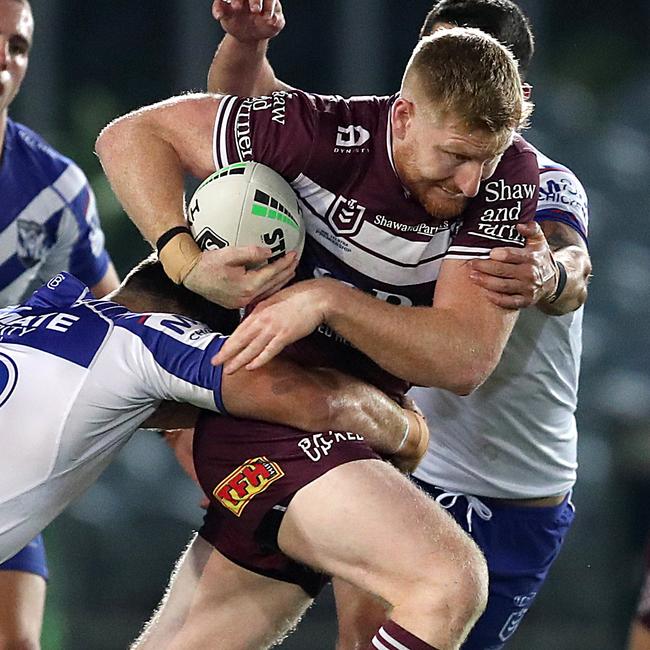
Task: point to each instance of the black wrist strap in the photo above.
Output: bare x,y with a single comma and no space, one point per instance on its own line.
167,236
561,282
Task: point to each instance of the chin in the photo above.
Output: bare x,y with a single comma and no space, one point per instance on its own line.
443,208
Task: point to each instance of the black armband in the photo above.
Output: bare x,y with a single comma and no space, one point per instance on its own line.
561,282
167,236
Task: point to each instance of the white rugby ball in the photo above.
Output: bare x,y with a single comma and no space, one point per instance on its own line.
246,204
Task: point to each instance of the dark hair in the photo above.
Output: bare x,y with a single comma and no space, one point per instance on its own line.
502,19
149,278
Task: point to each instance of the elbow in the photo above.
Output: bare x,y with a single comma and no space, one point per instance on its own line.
106,140
465,376
466,385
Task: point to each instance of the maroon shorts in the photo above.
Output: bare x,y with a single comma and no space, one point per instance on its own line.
251,471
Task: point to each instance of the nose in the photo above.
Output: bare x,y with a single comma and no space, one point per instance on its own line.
468,178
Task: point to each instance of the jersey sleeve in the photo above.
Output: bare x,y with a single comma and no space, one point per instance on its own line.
278,130
79,247
562,198
507,198
174,363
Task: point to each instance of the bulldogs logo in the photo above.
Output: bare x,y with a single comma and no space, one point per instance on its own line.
31,245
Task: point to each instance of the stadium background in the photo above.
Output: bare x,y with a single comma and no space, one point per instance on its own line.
110,555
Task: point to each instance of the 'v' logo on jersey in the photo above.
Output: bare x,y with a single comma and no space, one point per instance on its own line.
345,216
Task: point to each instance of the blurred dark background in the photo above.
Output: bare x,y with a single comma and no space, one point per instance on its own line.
111,553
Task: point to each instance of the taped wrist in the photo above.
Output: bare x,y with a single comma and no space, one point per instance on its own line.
415,439
178,253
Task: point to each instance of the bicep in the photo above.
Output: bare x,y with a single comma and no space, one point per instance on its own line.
182,124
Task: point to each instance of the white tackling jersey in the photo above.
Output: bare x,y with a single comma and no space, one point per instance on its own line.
77,378
515,437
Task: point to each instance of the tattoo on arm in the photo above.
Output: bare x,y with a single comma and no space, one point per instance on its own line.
559,235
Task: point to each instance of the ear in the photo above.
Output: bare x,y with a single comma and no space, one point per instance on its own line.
401,116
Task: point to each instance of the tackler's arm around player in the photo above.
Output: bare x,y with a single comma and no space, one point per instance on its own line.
150,187
322,399
552,271
240,66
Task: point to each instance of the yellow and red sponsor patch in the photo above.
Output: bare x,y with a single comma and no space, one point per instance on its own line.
249,479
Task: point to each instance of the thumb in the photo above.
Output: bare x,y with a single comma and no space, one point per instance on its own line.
247,255
530,230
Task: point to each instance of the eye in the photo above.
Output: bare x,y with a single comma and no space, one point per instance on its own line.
457,157
18,46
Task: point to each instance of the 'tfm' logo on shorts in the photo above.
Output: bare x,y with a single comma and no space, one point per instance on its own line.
239,487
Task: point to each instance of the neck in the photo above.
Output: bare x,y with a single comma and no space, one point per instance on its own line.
142,302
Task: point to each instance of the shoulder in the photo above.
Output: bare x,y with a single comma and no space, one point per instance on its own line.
58,170
34,144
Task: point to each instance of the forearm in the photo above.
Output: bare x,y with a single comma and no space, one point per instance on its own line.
242,68
361,408
314,400
424,345
577,264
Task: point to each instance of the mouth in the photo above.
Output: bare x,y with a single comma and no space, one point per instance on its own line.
450,193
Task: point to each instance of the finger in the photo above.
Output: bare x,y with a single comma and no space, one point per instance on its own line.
273,348
498,269
259,278
238,340
266,8
234,345
220,8
515,301
256,6
509,254
530,230
498,285
248,354
274,8
246,255
269,290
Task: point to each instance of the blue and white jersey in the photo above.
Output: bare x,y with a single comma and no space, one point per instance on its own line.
515,437
77,378
48,217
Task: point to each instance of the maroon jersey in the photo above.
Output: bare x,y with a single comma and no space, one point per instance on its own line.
363,228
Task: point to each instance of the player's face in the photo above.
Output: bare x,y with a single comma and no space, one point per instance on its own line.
439,159
16,29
